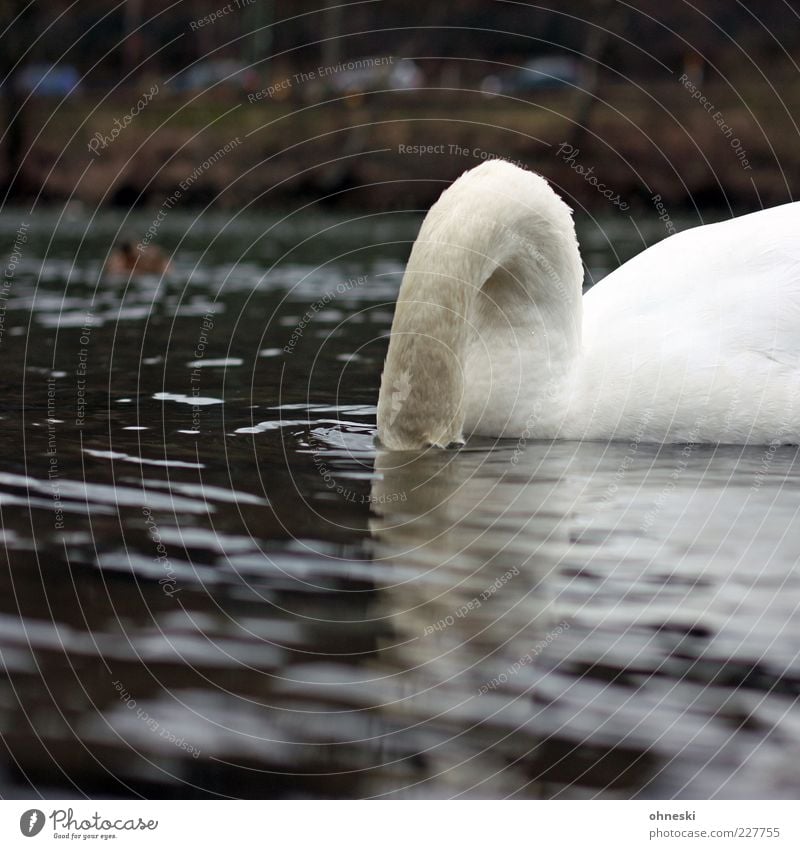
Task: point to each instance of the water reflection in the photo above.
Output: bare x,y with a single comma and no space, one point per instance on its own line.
471,608
226,592
580,619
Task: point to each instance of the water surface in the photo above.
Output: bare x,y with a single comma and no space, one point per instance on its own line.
214,586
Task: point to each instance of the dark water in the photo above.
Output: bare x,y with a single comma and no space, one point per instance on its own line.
212,585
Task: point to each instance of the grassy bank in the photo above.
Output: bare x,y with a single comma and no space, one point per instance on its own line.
396,150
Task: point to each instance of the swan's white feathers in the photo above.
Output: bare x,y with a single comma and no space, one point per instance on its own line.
699,336
695,339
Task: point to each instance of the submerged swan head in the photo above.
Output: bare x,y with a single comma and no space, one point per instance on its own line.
488,318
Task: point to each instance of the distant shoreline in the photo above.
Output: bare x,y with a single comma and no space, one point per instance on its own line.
398,150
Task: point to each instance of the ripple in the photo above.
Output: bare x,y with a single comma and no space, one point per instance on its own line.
263,427
193,400
222,362
207,539
204,491
350,409
324,433
100,496
142,461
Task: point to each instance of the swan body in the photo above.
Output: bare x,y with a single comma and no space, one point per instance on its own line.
696,339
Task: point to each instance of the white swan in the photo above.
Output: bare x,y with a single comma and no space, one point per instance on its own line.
697,339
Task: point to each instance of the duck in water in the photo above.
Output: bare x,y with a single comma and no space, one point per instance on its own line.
144,259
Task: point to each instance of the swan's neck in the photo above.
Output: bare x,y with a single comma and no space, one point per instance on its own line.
488,320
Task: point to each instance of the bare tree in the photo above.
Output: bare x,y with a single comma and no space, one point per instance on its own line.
16,20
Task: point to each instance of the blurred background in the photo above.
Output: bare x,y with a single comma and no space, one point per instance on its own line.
213,584
506,78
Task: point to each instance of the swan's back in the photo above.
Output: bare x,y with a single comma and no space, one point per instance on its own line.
698,337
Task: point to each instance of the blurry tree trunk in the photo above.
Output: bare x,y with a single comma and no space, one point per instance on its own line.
132,43
331,47
612,17
15,44
15,137
257,18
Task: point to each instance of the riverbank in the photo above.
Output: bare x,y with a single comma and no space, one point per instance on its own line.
661,148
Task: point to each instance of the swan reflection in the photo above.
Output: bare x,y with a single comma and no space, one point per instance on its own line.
570,619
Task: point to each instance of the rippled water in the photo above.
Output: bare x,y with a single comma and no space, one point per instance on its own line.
213,586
